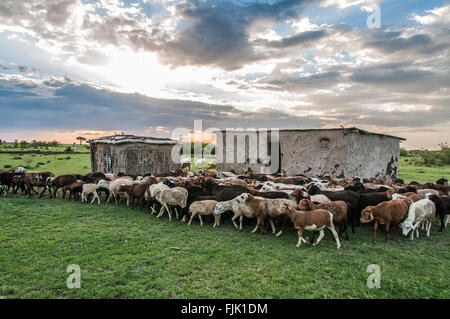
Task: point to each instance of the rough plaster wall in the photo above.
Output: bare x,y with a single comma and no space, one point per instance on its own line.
135,158
243,166
373,156
313,153
336,153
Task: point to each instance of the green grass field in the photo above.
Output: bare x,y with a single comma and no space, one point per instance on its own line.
58,164
421,174
126,253
60,148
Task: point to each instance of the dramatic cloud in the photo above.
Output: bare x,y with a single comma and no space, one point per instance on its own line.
150,66
45,105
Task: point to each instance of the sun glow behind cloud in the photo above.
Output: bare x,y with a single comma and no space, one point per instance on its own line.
260,61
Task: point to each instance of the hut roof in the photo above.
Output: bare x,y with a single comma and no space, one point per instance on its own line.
121,139
349,130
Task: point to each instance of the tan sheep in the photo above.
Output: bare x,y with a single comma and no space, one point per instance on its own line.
204,208
90,189
176,196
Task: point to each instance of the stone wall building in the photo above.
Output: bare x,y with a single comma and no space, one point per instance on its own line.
339,152
131,154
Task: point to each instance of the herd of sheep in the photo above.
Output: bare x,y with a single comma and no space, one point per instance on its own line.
313,204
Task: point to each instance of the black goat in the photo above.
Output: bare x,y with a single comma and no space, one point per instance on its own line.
350,197
442,207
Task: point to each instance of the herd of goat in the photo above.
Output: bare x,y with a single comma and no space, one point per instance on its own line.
306,203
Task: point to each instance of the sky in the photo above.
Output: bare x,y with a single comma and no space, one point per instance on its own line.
93,68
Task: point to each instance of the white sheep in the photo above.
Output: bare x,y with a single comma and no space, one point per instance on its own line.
426,191
240,210
176,196
422,211
226,174
90,189
114,187
203,208
110,176
151,192
397,196
270,210
270,186
319,199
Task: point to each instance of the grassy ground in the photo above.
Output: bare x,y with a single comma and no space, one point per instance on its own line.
126,253
60,148
58,164
421,174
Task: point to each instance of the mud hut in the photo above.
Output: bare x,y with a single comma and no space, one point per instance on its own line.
132,154
337,152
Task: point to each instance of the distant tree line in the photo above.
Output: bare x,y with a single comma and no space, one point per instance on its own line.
428,158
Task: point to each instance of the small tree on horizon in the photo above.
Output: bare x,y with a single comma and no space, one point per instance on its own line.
81,139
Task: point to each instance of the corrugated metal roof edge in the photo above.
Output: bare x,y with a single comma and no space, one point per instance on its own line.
337,129
120,139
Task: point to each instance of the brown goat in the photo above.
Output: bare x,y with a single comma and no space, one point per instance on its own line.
137,191
390,213
315,220
337,208
61,181
75,189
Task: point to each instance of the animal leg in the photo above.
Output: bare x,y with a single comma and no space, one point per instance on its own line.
168,211
216,220
272,225
300,238
201,221
336,237
190,220
240,222
443,224
261,225
256,226
387,230
161,211
321,234
234,223
285,221
374,232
